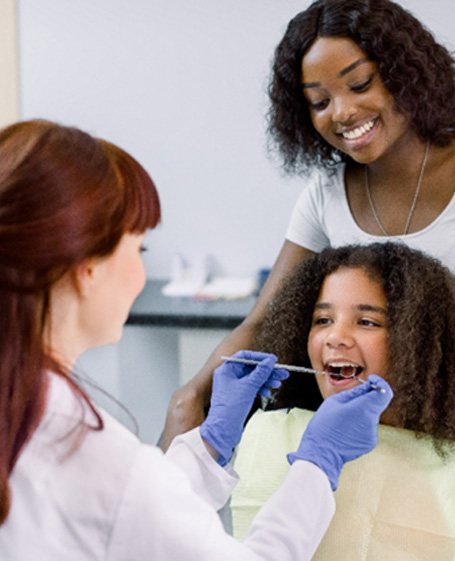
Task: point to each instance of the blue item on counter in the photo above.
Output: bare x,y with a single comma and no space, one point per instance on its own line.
263,275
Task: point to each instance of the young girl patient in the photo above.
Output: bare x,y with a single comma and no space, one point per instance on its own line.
350,312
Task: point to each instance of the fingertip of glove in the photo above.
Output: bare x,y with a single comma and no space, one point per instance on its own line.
274,384
377,380
279,374
255,355
381,386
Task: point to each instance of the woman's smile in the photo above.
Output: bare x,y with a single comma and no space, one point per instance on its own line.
358,136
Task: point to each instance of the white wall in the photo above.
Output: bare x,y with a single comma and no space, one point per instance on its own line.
180,85
436,15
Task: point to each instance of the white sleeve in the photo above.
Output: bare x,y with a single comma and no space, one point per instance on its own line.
305,225
160,518
296,516
207,478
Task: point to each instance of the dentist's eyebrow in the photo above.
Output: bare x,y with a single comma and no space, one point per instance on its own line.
340,74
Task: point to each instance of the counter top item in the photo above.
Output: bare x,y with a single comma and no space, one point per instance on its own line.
154,309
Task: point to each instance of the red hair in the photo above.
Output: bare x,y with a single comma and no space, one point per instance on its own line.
64,196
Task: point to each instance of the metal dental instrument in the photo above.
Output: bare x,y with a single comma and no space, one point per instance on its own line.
293,368
374,386
289,367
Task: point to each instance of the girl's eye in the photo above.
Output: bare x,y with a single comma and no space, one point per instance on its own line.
143,249
362,87
369,323
321,321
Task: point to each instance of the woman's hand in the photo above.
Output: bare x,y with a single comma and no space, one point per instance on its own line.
186,410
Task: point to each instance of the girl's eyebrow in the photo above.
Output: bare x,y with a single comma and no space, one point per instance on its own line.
360,307
340,74
371,308
322,305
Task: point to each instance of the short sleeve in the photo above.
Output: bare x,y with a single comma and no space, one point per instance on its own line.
305,225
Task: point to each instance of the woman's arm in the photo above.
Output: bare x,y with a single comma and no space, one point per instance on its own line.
186,408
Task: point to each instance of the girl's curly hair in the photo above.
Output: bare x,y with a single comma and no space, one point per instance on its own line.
415,69
420,295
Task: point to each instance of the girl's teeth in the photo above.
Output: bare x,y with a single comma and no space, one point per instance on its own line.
343,370
359,131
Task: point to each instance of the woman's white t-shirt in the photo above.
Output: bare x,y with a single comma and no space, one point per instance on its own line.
322,218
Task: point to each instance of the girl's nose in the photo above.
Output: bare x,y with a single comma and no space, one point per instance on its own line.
339,336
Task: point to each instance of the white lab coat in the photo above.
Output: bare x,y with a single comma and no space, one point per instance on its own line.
115,499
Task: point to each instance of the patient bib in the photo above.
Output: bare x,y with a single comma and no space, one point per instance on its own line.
396,503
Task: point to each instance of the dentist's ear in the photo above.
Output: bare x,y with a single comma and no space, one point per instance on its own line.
86,275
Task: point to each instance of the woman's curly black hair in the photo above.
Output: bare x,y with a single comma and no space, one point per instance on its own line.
415,69
420,295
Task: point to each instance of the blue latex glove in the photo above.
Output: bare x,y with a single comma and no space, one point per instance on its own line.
343,428
235,387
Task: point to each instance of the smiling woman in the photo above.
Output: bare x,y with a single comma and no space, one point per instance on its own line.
362,45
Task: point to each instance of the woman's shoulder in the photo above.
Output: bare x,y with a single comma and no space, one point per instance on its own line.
326,178
106,476
68,412
323,187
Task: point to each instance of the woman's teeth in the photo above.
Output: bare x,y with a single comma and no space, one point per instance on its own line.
359,131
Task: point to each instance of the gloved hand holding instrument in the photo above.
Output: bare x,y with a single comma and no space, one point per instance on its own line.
235,387
344,427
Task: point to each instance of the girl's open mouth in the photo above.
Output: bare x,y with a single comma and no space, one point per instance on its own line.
343,370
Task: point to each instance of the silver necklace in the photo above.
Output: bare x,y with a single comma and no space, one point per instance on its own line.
414,200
